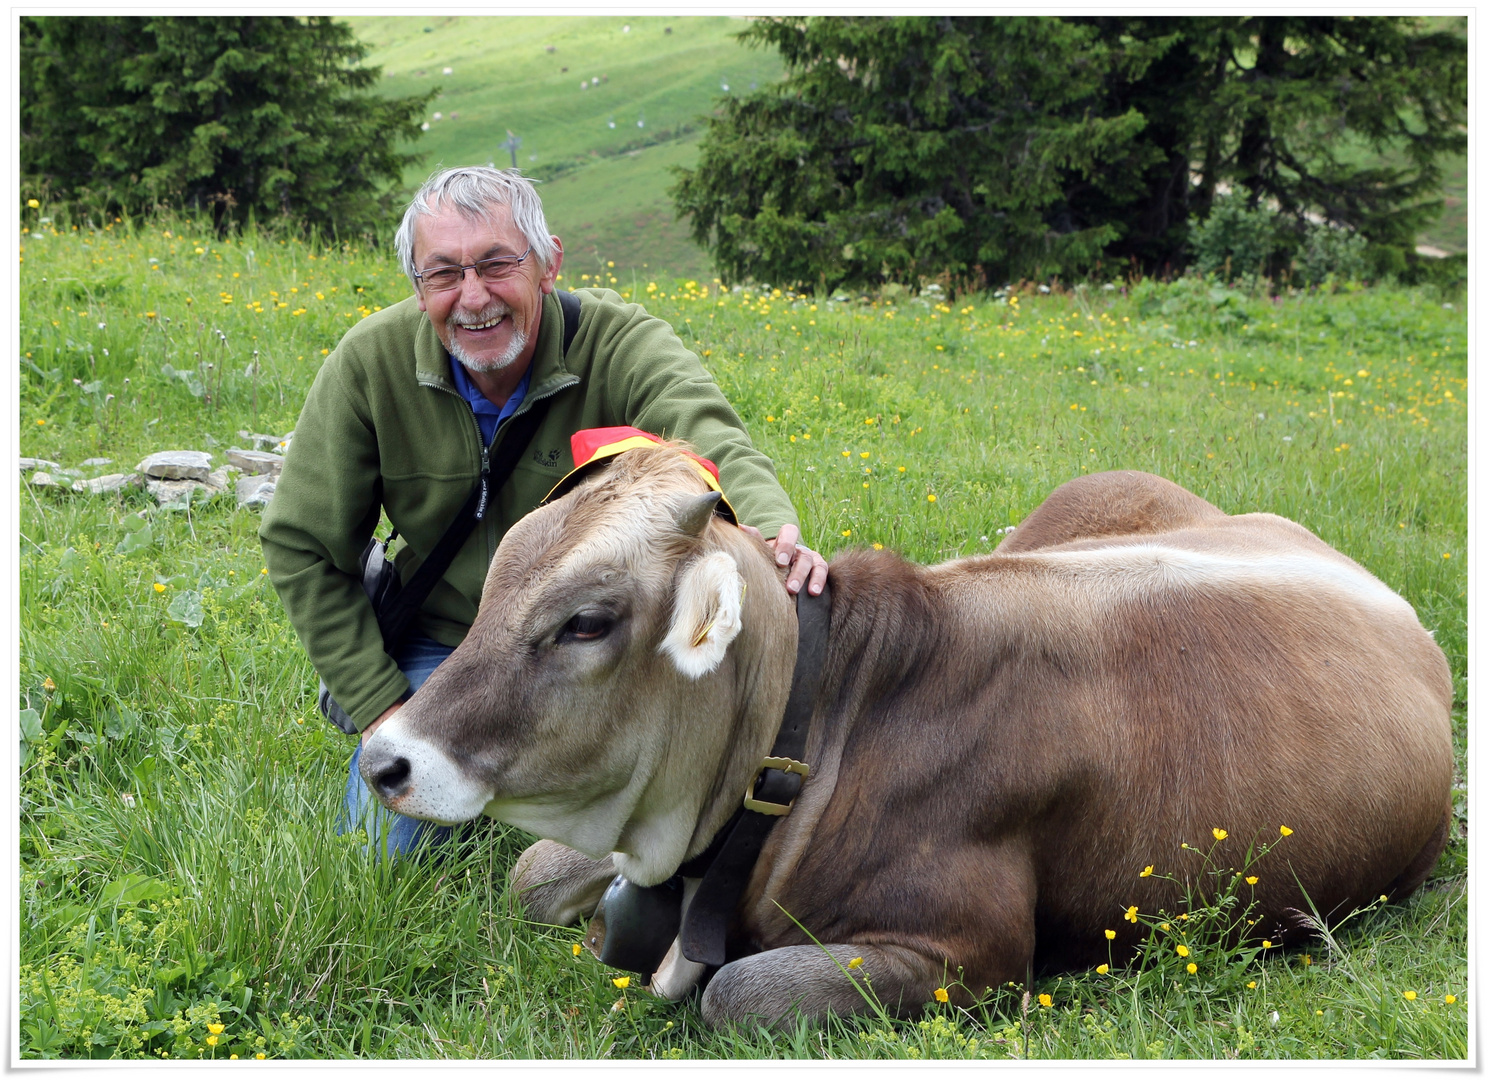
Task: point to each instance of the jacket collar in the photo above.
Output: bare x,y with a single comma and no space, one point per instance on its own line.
549,371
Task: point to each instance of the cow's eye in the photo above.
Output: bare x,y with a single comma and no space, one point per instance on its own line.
586,627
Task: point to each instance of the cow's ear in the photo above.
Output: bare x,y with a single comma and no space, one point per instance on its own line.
705,614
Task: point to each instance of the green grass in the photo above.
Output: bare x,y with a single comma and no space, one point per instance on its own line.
605,187
178,863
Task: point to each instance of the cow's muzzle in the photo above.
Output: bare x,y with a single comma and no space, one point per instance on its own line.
412,777
386,774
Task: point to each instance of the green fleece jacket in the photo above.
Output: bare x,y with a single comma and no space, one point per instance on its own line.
383,428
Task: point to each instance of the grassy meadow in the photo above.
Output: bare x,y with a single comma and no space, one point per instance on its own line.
604,151
182,890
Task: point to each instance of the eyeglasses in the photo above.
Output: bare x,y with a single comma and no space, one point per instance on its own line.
491,271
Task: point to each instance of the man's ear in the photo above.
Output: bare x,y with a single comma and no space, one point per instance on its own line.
550,277
706,614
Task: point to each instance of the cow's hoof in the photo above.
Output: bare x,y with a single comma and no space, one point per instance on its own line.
558,885
810,981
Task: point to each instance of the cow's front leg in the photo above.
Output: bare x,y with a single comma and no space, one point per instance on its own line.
558,885
813,980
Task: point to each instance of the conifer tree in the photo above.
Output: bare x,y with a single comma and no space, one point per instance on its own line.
248,114
986,149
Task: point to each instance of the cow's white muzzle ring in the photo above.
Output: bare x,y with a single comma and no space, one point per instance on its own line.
785,765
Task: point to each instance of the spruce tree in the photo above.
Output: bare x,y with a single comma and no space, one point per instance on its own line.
985,149
270,116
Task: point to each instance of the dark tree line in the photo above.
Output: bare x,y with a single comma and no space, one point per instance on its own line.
993,148
268,115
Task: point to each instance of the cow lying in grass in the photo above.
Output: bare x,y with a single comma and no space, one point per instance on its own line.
1000,745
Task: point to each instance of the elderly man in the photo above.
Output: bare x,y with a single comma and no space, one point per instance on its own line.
408,411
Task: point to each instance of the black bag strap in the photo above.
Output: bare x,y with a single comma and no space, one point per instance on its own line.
570,305
502,458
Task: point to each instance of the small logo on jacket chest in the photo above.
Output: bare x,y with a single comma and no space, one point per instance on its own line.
548,459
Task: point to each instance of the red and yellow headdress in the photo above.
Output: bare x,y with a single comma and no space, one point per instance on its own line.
594,447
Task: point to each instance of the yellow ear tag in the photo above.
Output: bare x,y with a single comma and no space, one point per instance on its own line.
702,634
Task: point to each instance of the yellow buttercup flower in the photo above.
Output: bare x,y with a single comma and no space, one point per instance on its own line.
1250,985
942,995
1285,831
211,1040
1110,935
1193,969
1252,880
1146,872
577,948
1101,969
33,204
1131,914
855,963
1410,995
1219,834
1265,944
1045,1000
1450,999
159,587
216,1029
622,982
1182,950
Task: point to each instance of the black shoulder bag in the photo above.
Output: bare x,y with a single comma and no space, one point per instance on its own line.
396,604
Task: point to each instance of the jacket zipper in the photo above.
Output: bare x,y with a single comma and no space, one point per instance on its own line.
483,504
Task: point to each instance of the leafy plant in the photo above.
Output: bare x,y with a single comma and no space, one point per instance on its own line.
1237,239
1331,255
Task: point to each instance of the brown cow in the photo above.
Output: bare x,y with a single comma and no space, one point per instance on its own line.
1000,745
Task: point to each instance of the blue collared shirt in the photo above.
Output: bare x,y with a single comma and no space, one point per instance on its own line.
487,415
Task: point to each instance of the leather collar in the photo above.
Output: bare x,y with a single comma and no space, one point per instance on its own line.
633,939
705,928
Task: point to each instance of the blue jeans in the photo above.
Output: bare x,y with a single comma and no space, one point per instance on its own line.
417,658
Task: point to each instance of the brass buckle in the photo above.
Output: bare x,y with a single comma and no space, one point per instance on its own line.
784,764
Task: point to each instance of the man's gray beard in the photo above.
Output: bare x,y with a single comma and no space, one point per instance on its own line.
496,363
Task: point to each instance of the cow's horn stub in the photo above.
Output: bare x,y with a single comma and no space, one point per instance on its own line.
693,517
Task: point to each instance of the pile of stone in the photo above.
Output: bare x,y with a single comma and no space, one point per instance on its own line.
174,476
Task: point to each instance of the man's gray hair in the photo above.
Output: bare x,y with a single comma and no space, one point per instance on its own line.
474,190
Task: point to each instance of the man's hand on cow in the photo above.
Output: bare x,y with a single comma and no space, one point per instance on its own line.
375,724
806,566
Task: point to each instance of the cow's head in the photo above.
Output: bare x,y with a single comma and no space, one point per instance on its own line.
626,672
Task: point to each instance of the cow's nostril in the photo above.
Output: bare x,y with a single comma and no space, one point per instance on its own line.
392,778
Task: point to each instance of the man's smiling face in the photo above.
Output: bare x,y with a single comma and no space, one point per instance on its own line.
487,327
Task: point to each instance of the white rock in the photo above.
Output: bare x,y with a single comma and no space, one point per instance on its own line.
42,479
255,462
275,443
218,479
97,462
255,491
30,463
177,465
104,485
175,491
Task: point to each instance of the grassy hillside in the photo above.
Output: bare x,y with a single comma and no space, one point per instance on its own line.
604,150
178,864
